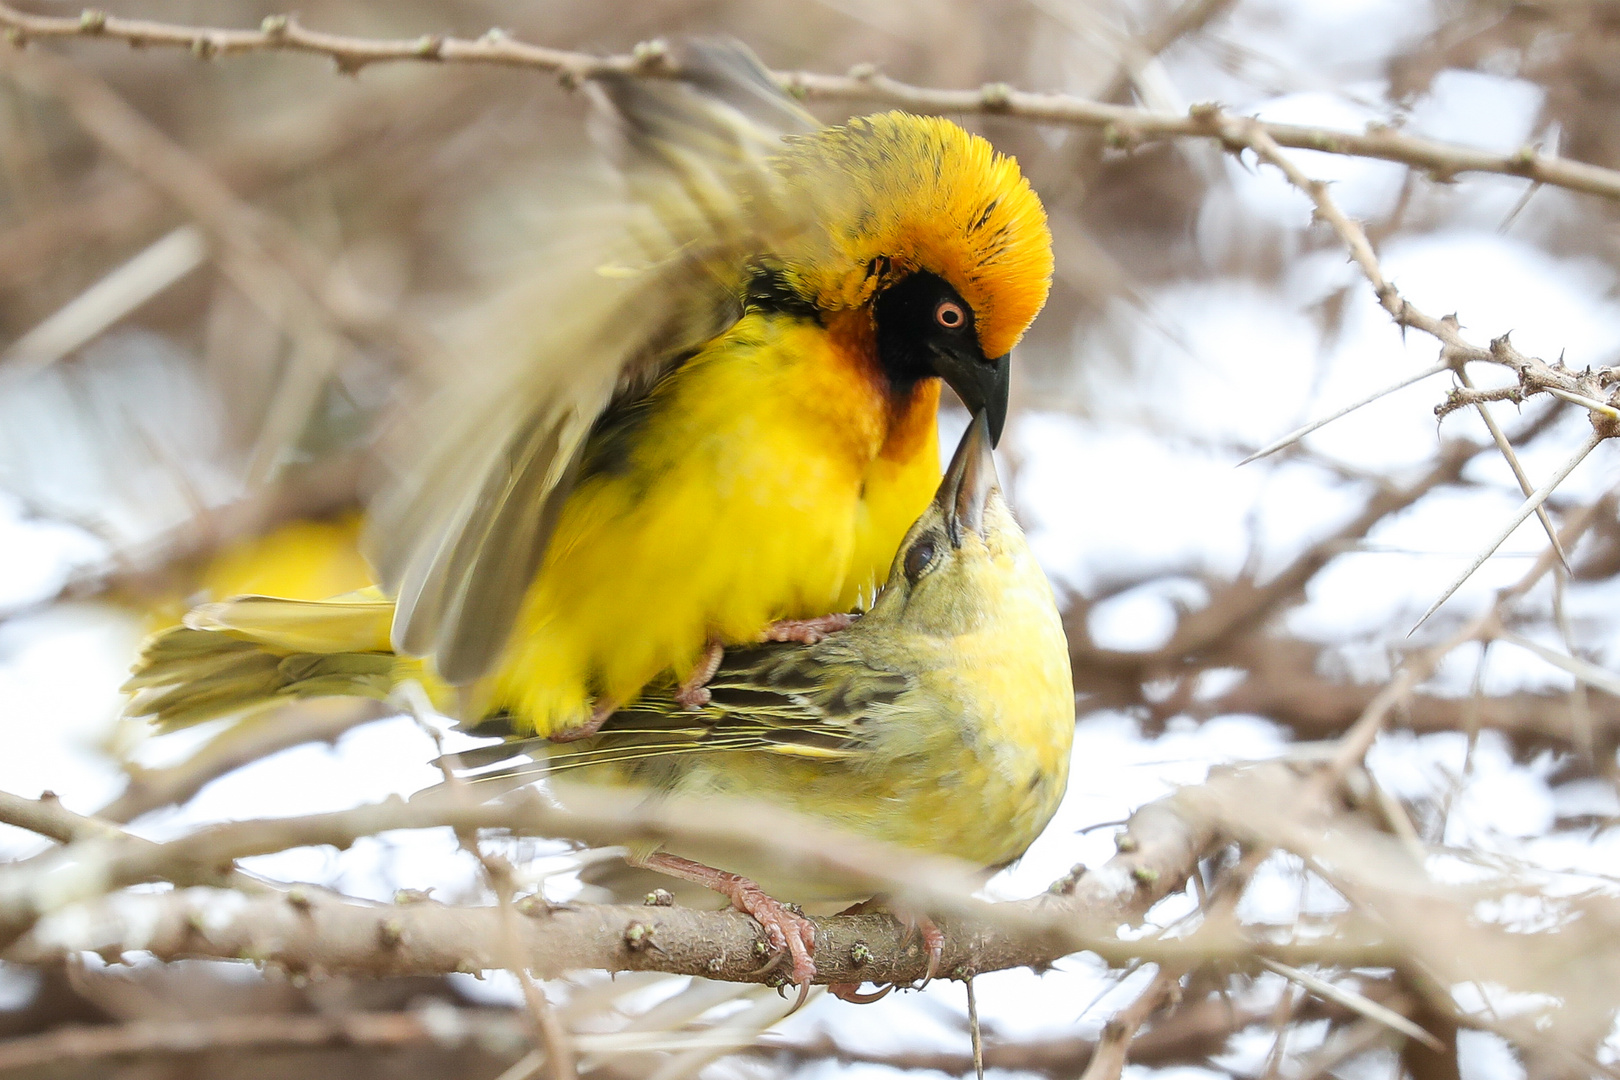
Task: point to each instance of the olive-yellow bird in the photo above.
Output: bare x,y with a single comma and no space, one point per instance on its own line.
714,413
940,720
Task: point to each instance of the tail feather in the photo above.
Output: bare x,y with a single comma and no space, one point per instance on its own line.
253,651
354,623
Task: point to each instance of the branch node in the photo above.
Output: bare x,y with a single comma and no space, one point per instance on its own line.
639,937
92,21
651,55
860,954
865,71
274,27
1064,885
996,96
429,47
659,898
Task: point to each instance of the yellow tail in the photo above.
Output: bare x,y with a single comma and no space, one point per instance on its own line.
253,651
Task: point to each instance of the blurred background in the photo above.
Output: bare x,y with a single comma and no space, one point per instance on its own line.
217,277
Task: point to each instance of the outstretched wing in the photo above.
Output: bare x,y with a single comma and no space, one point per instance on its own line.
642,279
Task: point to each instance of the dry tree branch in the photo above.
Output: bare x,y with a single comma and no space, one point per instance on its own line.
241,744
1122,126
306,929
437,1025
1109,1058
1590,387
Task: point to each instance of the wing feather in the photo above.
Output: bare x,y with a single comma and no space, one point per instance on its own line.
642,280
818,703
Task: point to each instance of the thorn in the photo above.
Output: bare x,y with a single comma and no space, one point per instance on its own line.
1525,510
1296,435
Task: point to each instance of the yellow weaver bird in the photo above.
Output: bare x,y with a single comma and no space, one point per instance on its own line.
940,720
712,417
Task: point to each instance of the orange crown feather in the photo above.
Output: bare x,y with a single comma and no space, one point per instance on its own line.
895,193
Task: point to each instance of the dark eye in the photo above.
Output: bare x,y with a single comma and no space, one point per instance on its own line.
950,315
918,558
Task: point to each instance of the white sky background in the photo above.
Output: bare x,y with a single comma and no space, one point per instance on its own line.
1145,485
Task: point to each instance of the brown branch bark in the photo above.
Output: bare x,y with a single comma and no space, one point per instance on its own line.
309,930
444,1026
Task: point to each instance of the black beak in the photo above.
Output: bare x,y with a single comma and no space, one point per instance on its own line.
970,481
982,385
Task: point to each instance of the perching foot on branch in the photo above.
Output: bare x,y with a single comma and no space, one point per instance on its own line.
933,940
789,935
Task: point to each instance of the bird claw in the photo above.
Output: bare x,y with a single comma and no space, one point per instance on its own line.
604,708
790,936
807,631
933,940
693,693
851,992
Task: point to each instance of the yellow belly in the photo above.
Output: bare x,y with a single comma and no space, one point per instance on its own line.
762,481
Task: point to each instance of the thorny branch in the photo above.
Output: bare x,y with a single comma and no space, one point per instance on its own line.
1122,126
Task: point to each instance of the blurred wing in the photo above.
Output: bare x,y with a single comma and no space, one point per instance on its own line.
639,283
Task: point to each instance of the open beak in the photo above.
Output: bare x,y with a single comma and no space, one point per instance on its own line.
965,491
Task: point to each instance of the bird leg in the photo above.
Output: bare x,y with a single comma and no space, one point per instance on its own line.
693,693
933,940
807,631
787,933
604,708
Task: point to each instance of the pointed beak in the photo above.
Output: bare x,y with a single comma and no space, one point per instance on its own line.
982,385
995,401
965,491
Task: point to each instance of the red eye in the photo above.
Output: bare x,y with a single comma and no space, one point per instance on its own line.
950,315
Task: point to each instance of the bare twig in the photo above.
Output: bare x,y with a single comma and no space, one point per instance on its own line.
1299,433
241,744
1113,1049
1528,507
1122,125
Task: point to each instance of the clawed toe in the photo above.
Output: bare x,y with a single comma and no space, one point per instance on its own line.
807,631
851,992
933,940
